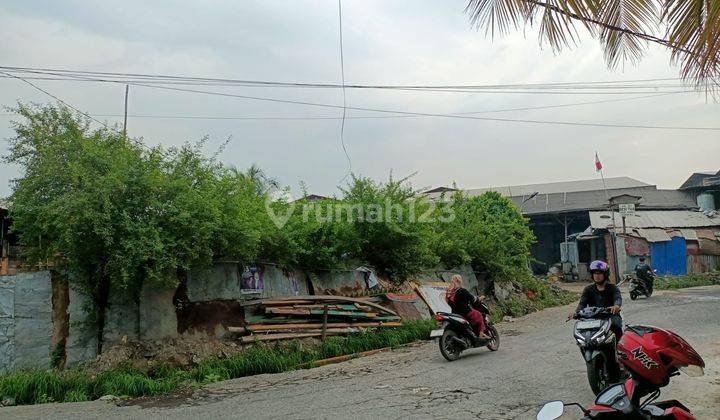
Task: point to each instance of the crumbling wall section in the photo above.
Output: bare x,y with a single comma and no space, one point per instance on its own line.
7,322
157,315
33,320
82,335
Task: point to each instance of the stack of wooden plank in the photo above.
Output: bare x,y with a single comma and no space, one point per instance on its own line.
312,316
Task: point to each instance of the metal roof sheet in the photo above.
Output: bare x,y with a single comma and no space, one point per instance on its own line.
651,199
654,219
689,234
562,187
654,235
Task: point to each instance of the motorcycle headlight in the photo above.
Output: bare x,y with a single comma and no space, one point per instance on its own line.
601,333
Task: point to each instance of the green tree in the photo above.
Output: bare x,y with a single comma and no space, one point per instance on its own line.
115,214
488,232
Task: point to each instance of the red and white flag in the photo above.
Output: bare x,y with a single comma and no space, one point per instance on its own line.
598,165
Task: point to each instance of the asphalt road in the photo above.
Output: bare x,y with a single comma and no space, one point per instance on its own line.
538,361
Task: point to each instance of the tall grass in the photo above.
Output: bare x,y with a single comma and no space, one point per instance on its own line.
37,386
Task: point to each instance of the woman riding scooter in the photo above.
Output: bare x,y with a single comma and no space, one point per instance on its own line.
461,301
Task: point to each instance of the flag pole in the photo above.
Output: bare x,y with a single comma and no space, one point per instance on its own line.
613,237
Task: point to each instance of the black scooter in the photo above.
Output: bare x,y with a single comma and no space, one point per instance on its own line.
597,342
457,335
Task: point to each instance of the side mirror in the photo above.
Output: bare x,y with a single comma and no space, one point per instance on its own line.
551,410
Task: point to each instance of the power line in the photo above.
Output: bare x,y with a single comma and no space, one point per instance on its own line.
74,108
144,78
369,117
388,111
344,109
56,98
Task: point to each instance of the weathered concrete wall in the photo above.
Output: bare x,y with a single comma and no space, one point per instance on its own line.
7,322
157,313
33,320
121,317
224,281
82,338
221,281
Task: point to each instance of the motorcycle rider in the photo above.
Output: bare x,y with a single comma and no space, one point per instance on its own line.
460,301
602,294
645,274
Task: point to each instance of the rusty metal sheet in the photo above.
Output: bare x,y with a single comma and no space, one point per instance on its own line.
709,246
702,263
636,246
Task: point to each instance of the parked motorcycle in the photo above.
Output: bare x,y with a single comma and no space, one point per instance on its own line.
597,345
652,356
456,334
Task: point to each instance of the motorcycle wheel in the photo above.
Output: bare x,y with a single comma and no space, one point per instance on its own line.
495,343
597,377
448,348
633,295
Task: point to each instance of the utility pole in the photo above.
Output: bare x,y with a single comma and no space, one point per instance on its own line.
127,90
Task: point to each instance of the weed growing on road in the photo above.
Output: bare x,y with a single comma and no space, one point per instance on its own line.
38,386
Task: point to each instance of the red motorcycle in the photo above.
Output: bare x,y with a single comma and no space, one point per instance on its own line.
652,356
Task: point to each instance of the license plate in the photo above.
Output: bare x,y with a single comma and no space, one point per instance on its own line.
589,325
436,333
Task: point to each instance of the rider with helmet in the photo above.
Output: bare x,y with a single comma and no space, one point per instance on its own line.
645,274
602,294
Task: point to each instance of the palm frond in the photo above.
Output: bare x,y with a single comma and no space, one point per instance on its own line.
623,19
694,25
497,16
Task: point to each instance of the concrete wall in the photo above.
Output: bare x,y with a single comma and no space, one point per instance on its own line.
26,326
82,338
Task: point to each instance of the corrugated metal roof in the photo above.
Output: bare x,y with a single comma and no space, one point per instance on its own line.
696,179
554,187
689,234
562,187
4,204
651,199
654,219
654,235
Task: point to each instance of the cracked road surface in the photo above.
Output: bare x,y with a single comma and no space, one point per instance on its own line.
537,361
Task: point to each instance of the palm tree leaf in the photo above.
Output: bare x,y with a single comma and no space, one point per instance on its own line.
694,27
629,16
497,16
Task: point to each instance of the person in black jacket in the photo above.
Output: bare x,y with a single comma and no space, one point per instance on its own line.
646,274
602,294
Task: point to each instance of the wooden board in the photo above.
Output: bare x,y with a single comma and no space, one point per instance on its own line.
268,327
326,298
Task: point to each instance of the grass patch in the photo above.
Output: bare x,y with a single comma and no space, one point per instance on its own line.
691,280
543,296
36,386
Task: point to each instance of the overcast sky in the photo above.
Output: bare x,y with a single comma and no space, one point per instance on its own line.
385,42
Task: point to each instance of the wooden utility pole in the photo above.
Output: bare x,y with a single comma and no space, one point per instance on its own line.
127,90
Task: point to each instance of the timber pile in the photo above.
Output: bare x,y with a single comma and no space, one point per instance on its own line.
312,316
